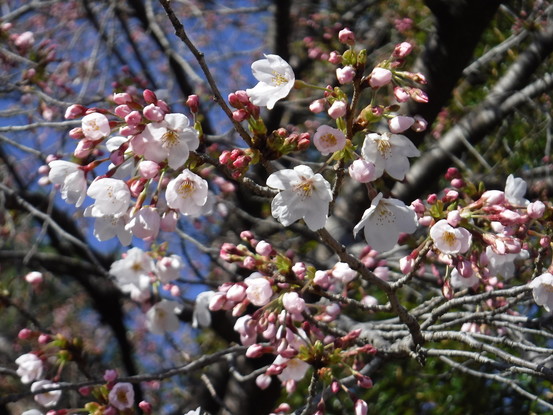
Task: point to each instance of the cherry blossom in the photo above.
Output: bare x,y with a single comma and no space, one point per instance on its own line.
362,171
49,398
187,193
450,240
328,139
458,281
109,226
259,291
295,368
30,367
389,152
145,223
515,189
162,318
384,221
168,268
121,396
170,139
95,126
542,290
201,317
276,79
112,197
133,273
72,179
303,195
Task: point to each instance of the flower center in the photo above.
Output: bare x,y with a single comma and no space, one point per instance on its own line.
449,238
136,267
186,188
384,146
279,79
170,138
304,188
329,139
122,396
384,216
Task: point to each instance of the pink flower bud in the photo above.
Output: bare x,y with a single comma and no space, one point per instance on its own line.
337,109
406,264
122,110
425,221
345,75
335,57
317,106
432,199
263,381
493,197
240,115
545,241
402,50
254,351
24,40
193,102
74,111
84,148
264,248
122,98
364,381
110,375
153,113
454,218
401,94
44,339
148,169
536,209
146,407
76,133
380,77
133,118
34,278
400,123
362,171
346,36
420,124
149,96
24,334
418,95
457,183
237,292
418,206
360,407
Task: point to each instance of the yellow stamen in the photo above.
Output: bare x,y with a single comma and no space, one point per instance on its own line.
449,238
279,79
304,188
329,139
170,138
186,188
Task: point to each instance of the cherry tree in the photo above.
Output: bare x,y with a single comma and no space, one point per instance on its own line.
276,207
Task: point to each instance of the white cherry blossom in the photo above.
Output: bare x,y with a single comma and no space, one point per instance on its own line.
450,240
384,221
515,189
329,140
112,197
542,289
121,396
389,152
46,399
303,195
109,226
170,139
71,178
276,79
132,273
162,317
30,367
259,290
95,126
187,193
